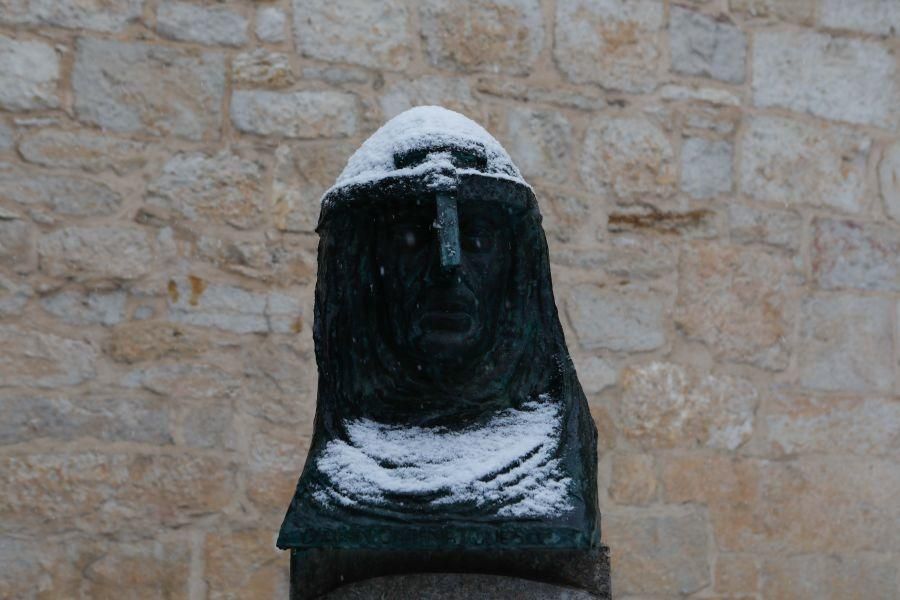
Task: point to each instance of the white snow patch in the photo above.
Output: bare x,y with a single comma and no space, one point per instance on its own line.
507,462
423,127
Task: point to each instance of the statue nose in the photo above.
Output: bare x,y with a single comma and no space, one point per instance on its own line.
447,225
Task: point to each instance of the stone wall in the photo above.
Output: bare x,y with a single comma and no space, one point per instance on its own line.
720,181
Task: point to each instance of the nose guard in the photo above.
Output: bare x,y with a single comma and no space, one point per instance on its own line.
443,180
447,224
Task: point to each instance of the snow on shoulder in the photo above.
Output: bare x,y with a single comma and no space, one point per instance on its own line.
421,128
509,463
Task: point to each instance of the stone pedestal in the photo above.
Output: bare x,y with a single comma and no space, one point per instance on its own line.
472,574
455,586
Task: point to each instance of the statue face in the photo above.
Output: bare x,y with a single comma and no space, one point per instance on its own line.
436,313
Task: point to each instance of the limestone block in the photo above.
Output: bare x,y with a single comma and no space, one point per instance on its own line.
741,301
835,78
496,36
706,167
627,157
45,360
792,163
203,24
845,344
222,189
704,47
613,43
665,405
96,253
541,143
29,75
305,115
372,34
849,254
623,318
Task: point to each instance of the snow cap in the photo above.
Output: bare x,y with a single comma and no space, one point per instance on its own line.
430,143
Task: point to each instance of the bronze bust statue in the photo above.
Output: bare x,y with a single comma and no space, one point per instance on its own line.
451,432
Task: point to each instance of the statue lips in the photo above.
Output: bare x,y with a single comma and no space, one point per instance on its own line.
448,312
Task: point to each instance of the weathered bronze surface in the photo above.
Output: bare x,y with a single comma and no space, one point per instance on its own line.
440,353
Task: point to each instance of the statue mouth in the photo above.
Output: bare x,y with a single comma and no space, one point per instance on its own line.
451,321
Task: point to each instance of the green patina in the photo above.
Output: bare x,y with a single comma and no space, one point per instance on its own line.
435,323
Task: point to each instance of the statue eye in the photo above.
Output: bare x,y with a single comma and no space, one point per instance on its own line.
477,240
409,236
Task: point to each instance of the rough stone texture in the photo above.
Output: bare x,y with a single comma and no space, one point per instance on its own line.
136,87
845,344
657,553
73,196
13,296
6,136
847,254
96,252
306,115
724,259
372,34
644,218
153,340
835,78
829,577
42,359
633,479
454,93
193,302
704,47
76,14
628,318
740,301
16,243
614,43
274,463
79,308
627,157
204,25
595,374
87,150
263,68
584,99
497,36
271,24
542,141
108,417
302,174
805,424
706,167
822,504
220,189
138,491
788,162
736,574
29,75
639,256
793,11
779,228
157,566
665,405
881,17
711,95
889,179
243,565
290,261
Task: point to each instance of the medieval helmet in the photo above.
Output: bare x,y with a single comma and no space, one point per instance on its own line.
429,151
